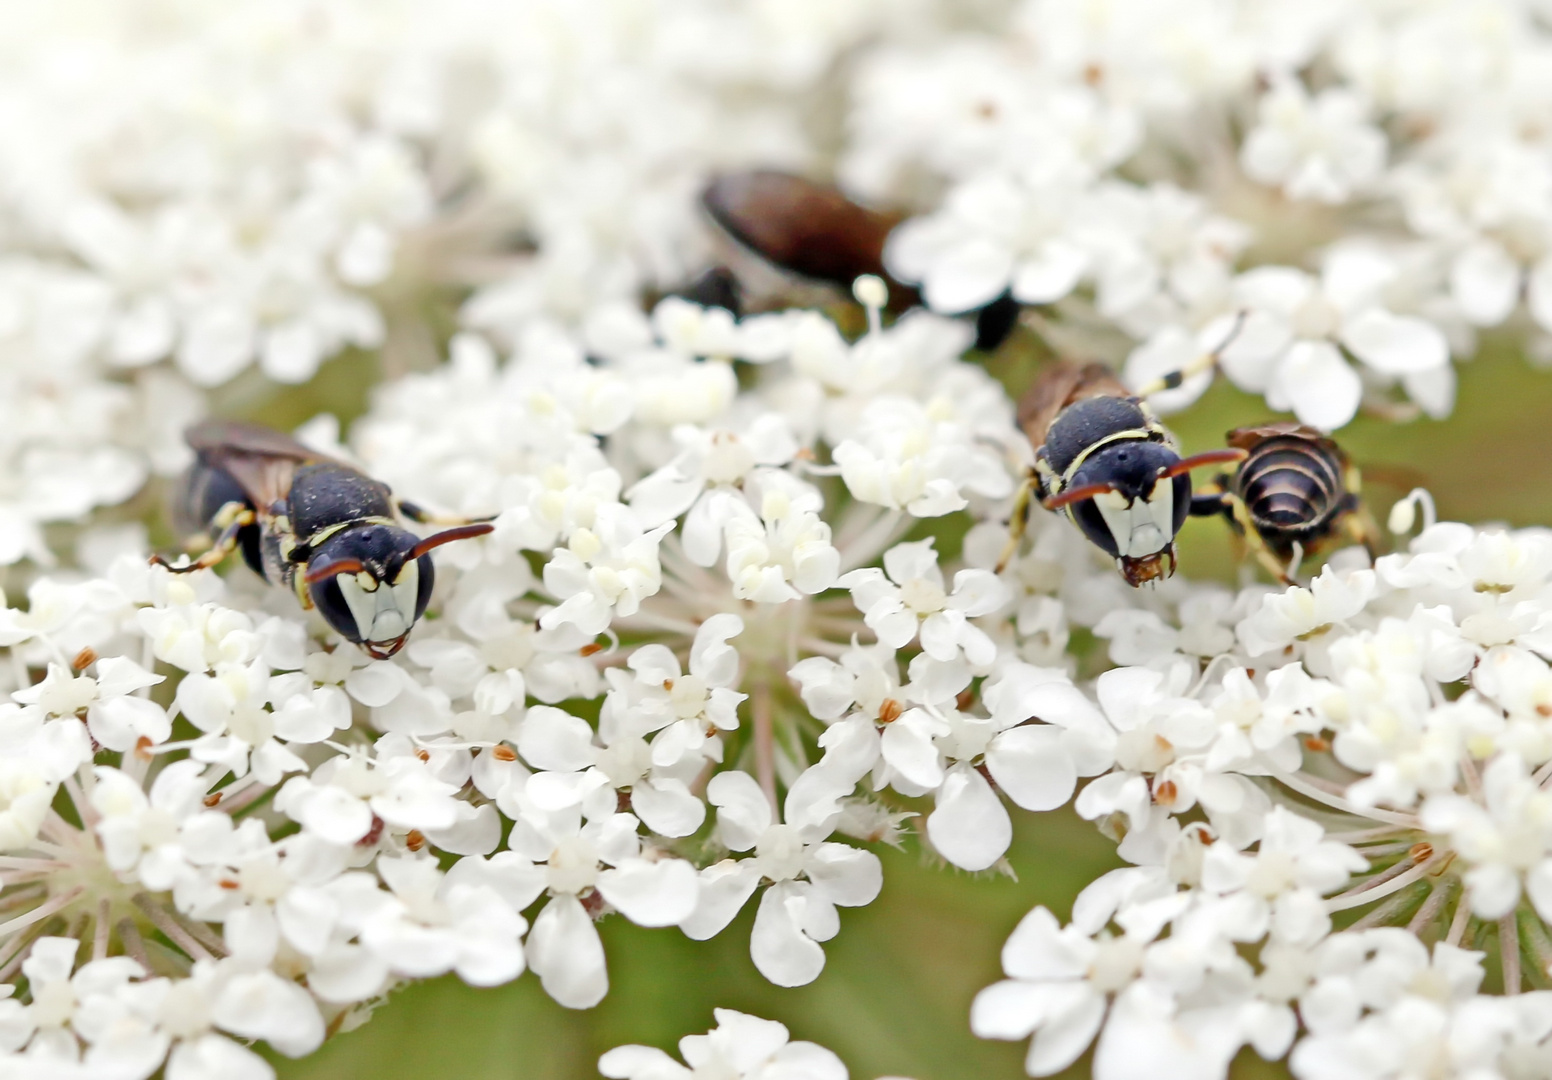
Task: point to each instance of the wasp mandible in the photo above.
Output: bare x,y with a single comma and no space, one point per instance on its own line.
1294,491
311,524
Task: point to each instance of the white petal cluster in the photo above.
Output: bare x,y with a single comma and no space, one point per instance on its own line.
593,718
736,622
1370,742
740,1047
195,193
1343,137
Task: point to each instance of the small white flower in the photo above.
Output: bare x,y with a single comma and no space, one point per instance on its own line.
1059,983
780,548
1305,615
912,601
579,857
923,459
603,571
740,1047
1501,837
1283,882
809,879
996,233
436,923
699,477
1319,147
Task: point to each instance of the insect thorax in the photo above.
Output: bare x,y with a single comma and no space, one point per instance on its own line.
1085,427
327,495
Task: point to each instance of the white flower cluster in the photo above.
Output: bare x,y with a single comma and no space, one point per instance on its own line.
1164,169
1389,727
737,619
195,190
224,799
740,1047
238,810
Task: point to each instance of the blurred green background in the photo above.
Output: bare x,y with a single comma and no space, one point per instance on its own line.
895,994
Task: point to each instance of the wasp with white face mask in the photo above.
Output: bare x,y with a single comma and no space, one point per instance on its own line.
311,524
1103,459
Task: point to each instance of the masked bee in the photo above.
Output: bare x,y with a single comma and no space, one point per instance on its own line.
1103,458
313,525
1294,490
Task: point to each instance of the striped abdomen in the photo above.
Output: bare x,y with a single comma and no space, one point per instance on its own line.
1293,490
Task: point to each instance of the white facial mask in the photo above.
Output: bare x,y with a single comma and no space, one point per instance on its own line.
1144,527
385,612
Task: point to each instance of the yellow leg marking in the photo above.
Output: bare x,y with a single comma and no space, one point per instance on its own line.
1018,522
415,512
304,596
1362,528
1254,541
1205,362
231,519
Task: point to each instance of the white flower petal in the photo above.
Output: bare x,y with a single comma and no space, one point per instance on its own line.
566,954
970,827
743,811
262,1005
551,738
211,1057
967,276
1319,386
1538,293
1485,281
667,807
662,893
345,973
1395,344
845,875
1065,1035
725,888
641,1063
1031,764
780,950
1051,274
908,747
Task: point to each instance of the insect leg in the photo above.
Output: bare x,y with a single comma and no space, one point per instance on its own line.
1253,540
1206,362
1018,522
1358,522
1363,529
416,512
1208,504
231,519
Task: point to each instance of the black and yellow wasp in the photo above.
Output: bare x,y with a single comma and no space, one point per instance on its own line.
311,524
1103,458
1293,492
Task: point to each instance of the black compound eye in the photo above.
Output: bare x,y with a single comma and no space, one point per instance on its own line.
427,580
330,602
1092,524
1182,506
